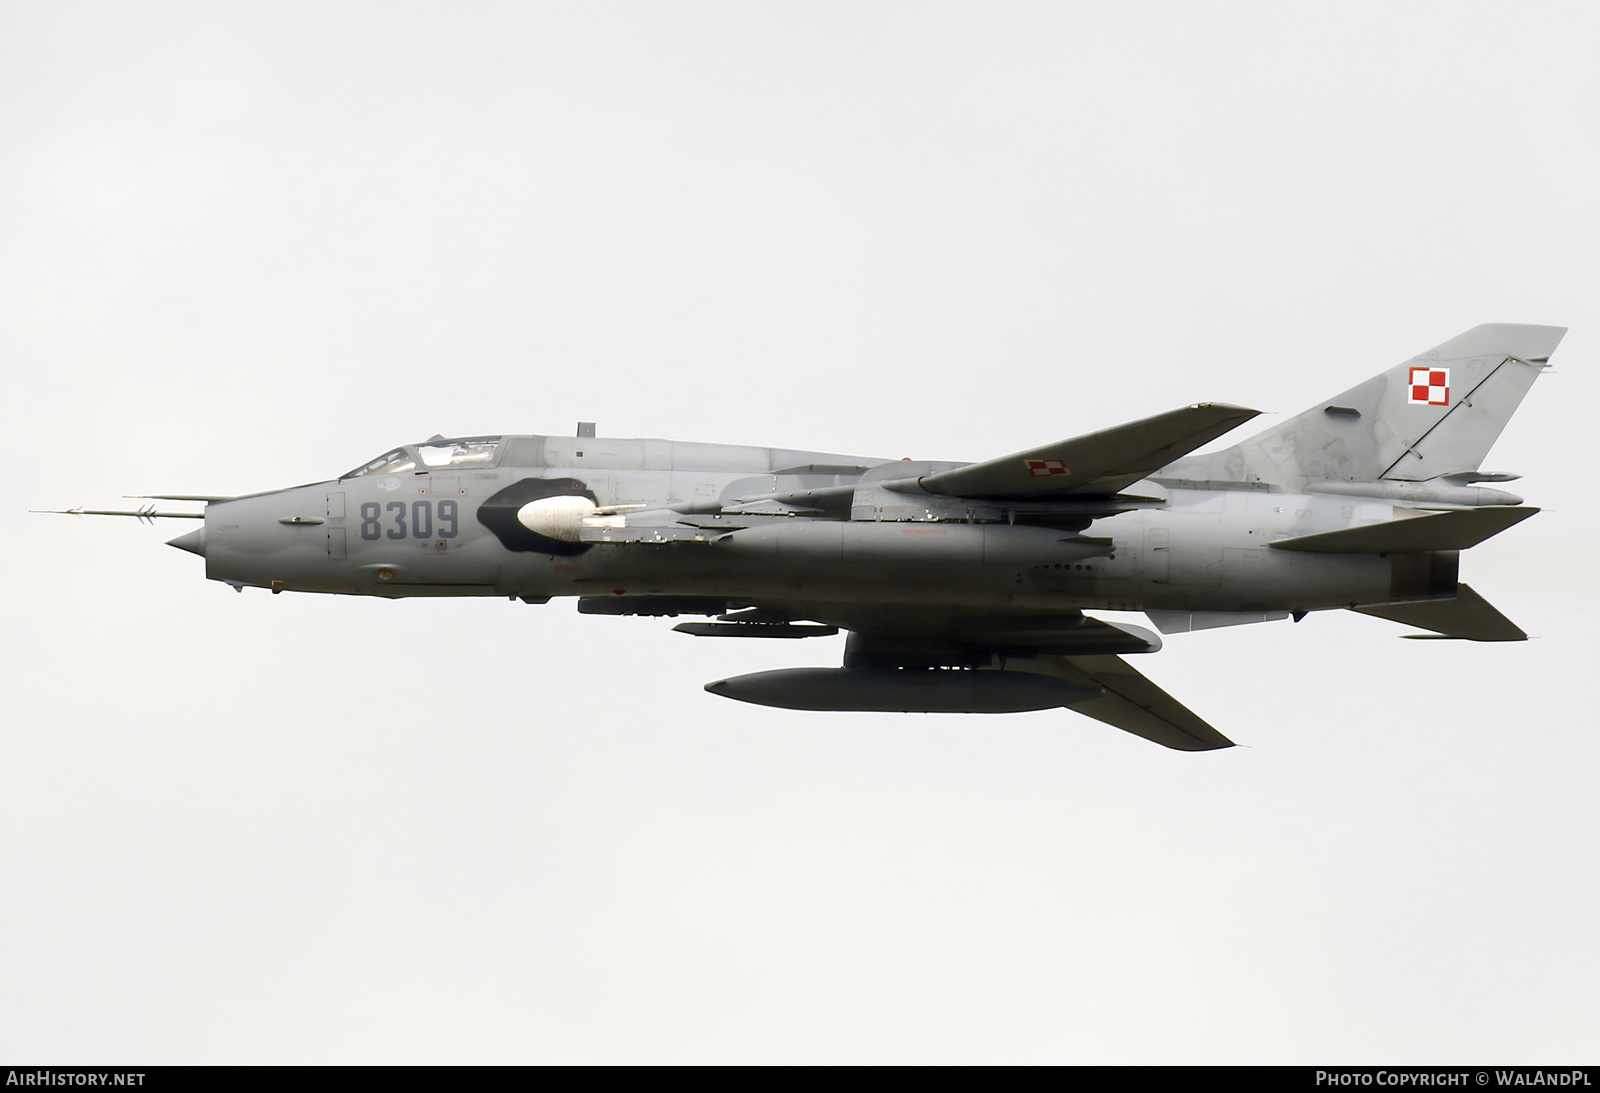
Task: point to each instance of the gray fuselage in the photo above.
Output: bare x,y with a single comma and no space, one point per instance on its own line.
426,532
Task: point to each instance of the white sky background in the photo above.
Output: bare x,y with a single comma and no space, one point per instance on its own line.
245,246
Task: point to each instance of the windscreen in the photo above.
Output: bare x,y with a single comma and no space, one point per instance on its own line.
472,451
398,461
462,453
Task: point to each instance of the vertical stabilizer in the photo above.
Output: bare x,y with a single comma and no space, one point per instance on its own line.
1436,414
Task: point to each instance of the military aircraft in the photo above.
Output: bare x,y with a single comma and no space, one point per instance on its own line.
962,586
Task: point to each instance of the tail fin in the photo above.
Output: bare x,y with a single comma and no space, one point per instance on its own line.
1436,414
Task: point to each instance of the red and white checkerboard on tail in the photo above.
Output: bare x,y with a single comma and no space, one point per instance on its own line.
1430,387
1040,468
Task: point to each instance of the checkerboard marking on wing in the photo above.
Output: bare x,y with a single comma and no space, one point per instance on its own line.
1039,468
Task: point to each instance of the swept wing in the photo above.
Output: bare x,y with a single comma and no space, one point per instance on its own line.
1133,704
1467,616
1096,463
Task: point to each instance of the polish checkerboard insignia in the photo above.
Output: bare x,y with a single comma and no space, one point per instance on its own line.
1041,468
1430,387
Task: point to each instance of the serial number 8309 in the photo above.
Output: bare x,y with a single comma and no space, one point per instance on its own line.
419,526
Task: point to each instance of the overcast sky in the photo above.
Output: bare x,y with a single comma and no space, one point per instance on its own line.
251,245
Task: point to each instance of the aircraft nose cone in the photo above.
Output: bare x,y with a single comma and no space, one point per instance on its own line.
194,542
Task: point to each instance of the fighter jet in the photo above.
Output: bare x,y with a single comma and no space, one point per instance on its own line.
963,587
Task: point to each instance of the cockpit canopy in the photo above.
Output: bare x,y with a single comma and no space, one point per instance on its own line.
459,453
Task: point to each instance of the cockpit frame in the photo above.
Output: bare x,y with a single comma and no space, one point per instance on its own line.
447,454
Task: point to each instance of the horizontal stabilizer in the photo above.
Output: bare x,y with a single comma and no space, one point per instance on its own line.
1454,530
1467,616
1097,463
1133,704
